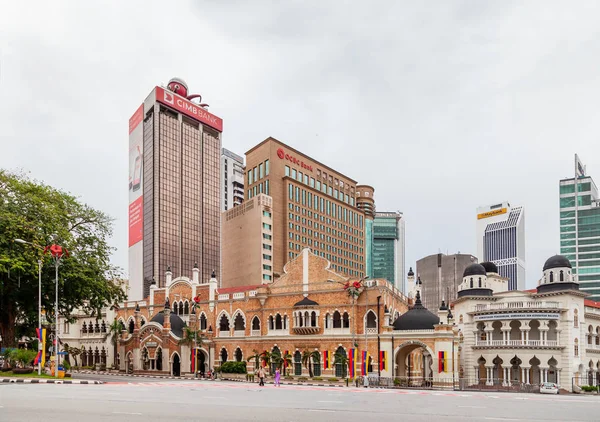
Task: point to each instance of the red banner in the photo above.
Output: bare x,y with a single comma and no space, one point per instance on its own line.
136,221
188,108
136,119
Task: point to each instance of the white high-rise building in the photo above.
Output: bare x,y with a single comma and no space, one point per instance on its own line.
501,240
232,179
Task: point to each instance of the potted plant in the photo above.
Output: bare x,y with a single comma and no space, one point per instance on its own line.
24,360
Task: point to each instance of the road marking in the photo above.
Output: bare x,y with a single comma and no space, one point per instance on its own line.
503,419
329,401
223,398
474,407
126,413
321,410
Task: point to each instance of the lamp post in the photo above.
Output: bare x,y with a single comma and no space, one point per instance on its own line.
40,264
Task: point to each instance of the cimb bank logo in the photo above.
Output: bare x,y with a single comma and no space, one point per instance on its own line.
280,153
169,98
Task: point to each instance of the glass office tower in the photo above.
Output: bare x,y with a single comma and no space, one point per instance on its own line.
388,248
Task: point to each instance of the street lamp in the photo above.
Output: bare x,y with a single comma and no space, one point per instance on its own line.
40,345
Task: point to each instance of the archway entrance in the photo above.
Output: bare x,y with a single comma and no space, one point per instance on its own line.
201,358
534,371
414,365
176,365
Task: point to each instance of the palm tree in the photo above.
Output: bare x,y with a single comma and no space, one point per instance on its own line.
266,357
191,338
341,359
256,357
284,362
74,352
114,331
307,358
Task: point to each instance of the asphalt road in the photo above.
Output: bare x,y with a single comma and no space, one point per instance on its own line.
133,399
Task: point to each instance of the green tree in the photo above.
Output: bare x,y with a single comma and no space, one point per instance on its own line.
342,360
284,361
307,358
43,215
114,331
256,358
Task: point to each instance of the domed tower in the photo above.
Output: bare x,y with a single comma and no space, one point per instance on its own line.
410,281
417,318
365,202
558,275
490,267
474,282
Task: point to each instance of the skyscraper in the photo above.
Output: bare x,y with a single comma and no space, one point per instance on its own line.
174,188
501,240
580,228
232,179
388,248
440,275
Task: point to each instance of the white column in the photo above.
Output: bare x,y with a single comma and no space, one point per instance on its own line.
506,376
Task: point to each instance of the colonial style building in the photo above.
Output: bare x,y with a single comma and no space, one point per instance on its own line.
309,308
549,334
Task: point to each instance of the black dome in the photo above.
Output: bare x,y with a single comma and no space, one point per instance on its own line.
306,302
410,272
490,267
474,269
417,318
557,261
177,323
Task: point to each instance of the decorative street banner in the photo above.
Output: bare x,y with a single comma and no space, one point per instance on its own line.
365,363
326,359
352,362
383,362
42,346
442,367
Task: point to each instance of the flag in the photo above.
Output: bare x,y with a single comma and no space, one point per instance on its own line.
41,335
383,363
193,361
442,362
325,359
285,353
365,361
352,362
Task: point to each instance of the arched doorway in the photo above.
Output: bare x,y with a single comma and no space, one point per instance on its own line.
413,364
552,370
176,365
498,372
158,359
341,369
515,370
129,363
534,371
481,370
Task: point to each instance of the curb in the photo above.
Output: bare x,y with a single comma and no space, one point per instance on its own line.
119,374
46,381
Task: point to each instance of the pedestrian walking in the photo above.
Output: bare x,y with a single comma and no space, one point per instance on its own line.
277,378
261,377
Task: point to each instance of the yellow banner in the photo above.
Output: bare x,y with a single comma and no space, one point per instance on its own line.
491,213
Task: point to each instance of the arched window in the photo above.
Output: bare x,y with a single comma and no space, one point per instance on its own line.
471,282
238,323
575,318
278,322
180,308
561,276
337,320
186,308
255,323
327,320
371,320
576,347
313,319
341,370
223,355
300,319
285,322
271,323
203,322
479,281
297,363
551,276
345,320
238,355
131,326
224,323
96,327
158,359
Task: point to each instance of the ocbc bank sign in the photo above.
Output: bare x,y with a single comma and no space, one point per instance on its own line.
285,156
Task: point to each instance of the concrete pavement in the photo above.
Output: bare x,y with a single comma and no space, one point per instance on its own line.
220,401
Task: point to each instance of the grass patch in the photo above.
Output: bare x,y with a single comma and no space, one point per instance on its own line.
34,374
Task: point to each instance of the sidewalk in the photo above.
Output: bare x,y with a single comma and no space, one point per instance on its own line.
47,381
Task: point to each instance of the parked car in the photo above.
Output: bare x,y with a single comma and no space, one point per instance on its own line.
549,388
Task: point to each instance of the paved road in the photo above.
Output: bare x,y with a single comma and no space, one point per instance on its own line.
153,399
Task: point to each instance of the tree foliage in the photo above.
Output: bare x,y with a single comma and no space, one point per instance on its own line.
43,215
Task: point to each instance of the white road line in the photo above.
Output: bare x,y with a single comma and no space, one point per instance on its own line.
223,398
503,419
473,407
126,413
321,410
329,401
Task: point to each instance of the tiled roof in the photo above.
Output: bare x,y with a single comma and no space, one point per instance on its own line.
591,303
238,289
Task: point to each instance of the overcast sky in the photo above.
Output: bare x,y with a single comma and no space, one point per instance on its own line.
442,106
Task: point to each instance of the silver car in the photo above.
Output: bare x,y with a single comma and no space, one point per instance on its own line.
549,388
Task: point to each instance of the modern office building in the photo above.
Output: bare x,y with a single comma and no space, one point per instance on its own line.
387,252
580,228
174,188
247,239
365,201
501,240
232,179
440,275
314,207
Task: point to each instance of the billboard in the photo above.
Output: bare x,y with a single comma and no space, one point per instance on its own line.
136,164
491,213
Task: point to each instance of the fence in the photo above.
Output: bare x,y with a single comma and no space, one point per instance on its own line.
457,384
589,383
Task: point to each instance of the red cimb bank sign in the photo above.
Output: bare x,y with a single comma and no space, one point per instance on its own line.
283,155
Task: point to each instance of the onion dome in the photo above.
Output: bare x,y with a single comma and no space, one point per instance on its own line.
443,307
410,272
417,318
177,323
474,269
305,302
557,261
490,267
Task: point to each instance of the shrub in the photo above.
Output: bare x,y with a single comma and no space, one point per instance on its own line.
396,382
332,379
589,388
317,378
288,377
302,379
233,367
23,357
66,365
